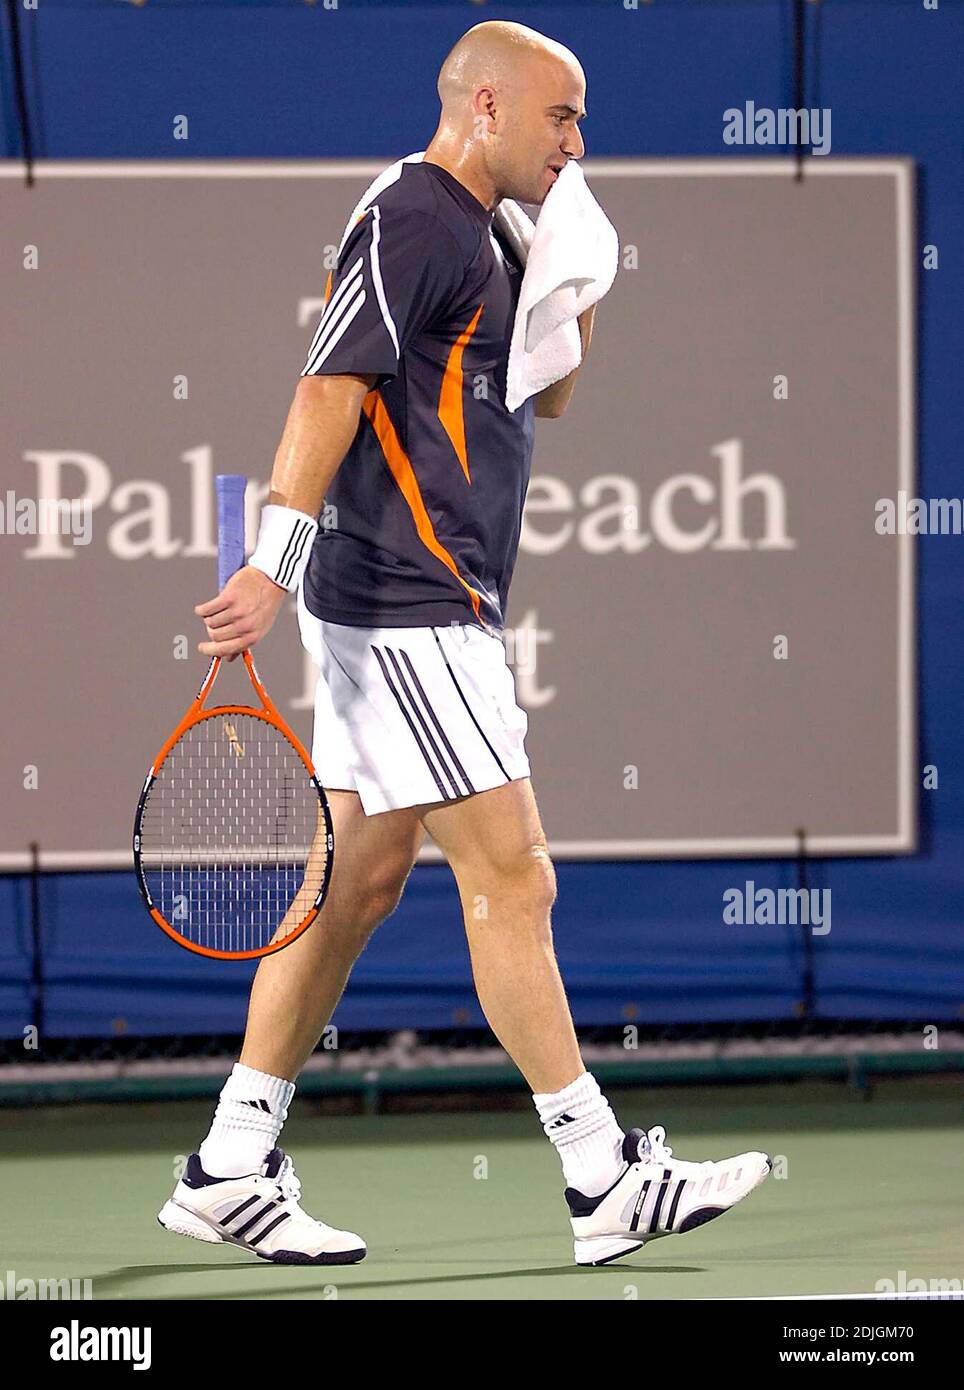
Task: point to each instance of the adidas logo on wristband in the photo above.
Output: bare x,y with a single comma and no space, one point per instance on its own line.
284,544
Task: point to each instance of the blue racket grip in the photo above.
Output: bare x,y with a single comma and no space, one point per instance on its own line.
230,489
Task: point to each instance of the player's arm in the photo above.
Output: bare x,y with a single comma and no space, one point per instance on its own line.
321,425
396,268
552,401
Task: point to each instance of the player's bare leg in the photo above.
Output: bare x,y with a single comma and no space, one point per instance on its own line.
623,1190
296,990
496,848
239,1187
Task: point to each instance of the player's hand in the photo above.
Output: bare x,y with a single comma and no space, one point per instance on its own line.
241,614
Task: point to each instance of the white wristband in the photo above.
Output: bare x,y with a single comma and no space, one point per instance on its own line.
284,544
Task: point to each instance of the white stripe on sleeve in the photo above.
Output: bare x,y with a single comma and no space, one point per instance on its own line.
377,279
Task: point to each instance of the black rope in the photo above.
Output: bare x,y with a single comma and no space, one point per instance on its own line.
816,35
36,87
799,73
36,948
20,89
808,992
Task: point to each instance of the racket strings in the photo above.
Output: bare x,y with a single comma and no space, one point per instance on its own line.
233,839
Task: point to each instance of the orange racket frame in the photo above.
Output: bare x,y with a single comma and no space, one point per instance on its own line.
196,714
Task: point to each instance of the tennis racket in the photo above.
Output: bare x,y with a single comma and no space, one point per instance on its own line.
233,846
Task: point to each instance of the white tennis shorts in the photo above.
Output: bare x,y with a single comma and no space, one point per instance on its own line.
412,715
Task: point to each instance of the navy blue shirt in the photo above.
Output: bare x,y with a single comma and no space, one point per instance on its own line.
422,519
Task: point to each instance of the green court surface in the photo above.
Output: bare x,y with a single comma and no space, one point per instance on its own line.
469,1205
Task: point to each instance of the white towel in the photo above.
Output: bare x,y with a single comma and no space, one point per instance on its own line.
570,254
571,264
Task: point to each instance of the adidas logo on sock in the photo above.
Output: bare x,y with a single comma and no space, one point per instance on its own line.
563,1120
257,1105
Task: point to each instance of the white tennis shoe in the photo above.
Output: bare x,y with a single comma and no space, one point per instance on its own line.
657,1195
260,1213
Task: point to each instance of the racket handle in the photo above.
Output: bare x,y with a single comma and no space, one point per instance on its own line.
230,489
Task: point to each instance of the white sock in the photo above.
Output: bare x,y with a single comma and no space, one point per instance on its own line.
248,1119
583,1128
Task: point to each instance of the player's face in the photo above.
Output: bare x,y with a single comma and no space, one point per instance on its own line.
542,131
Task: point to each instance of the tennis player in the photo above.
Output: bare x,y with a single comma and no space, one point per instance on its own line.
399,427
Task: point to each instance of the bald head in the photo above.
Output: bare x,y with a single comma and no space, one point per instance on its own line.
511,102
500,54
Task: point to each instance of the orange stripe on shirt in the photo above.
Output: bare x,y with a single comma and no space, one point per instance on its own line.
450,410
402,471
